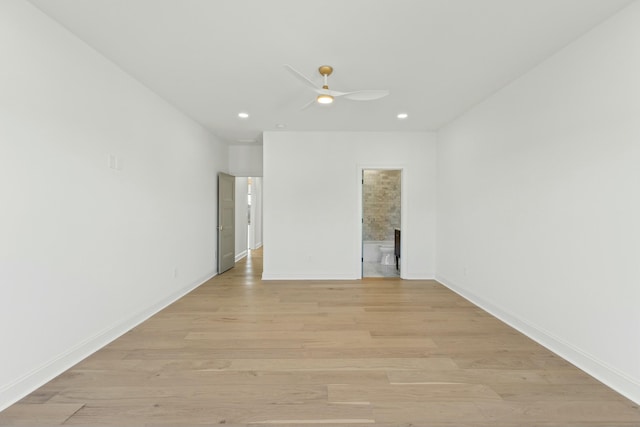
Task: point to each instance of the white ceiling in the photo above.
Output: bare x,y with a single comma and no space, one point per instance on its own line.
215,58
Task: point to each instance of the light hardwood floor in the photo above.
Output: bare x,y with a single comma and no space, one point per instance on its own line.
379,351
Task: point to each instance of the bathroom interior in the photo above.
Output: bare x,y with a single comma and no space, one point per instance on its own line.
381,213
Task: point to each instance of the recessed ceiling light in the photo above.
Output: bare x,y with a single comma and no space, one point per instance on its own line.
243,115
402,116
281,126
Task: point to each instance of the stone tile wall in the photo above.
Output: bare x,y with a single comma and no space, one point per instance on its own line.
381,204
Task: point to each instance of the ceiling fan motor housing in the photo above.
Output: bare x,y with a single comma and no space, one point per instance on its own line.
325,70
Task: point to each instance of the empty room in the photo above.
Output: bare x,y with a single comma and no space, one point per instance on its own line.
296,212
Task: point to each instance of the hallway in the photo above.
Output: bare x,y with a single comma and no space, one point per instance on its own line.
373,352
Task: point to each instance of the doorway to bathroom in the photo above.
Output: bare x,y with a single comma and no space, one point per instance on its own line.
381,222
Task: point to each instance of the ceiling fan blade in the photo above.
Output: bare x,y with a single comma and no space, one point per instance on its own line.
308,104
298,75
365,95
334,93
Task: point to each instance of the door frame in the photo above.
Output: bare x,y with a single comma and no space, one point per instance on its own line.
404,224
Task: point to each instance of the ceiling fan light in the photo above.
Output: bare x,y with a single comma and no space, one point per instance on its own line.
325,99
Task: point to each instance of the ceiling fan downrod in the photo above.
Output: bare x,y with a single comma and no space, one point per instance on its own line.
325,71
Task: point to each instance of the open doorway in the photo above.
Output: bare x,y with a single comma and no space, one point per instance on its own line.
381,222
250,227
248,215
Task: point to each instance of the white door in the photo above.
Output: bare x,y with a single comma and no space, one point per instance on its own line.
226,222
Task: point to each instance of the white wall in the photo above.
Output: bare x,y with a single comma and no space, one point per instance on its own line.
245,160
256,206
539,203
312,201
242,223
87,251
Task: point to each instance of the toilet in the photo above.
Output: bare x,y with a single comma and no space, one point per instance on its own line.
388,256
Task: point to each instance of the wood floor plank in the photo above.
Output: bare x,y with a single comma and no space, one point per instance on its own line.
215,355
223,378
427,392
308,364
503,414
203,412
556,392
184,395
281,335
517,377
34,414
385,352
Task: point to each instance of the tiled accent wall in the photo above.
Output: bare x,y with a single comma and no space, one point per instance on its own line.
381,204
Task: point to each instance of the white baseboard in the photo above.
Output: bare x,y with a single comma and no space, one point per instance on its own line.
258,245
357,276
241,255
600,370
308,277
11,393
414,277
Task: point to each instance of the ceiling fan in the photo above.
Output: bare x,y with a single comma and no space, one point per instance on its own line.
326,95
